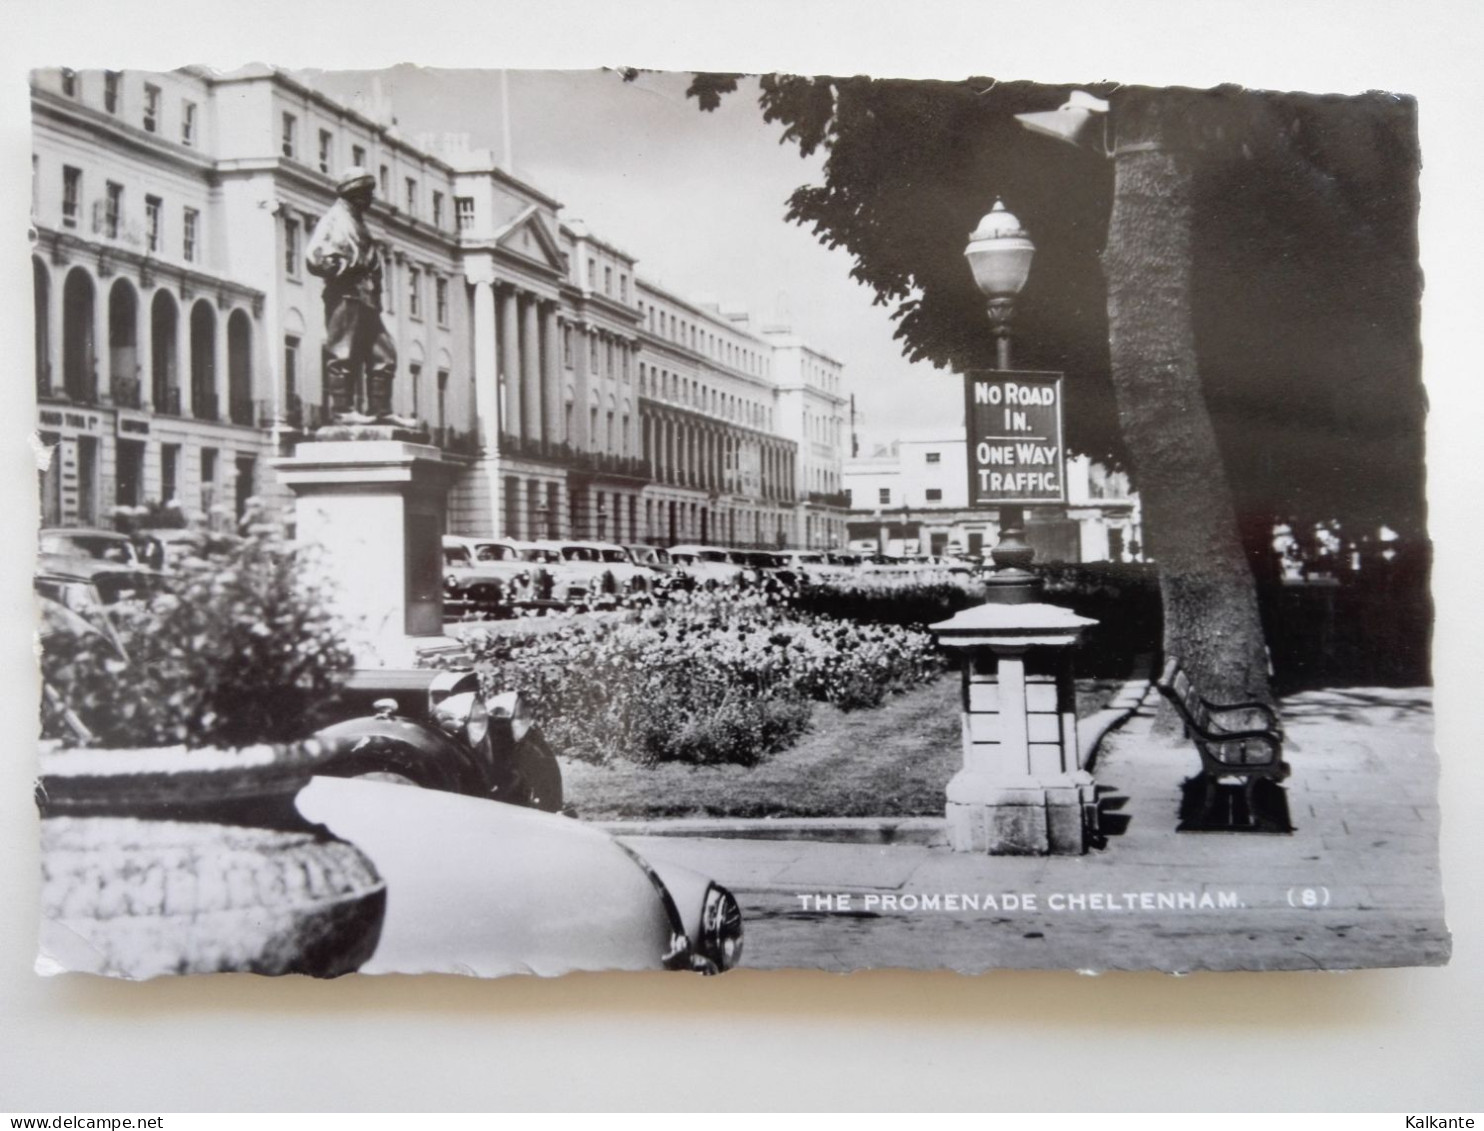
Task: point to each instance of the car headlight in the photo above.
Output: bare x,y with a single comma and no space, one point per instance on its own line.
721,928
512,706
465,715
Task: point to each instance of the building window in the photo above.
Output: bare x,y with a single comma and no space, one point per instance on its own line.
567,346
113,204
71,193
111,91
153,207
389,281
384,183
623,288
326,148
592,274
69,82
437,210
463,212
191,233
414,295
415,379
290,135
411,197
884,496
442,399
291,248
608,281
440,299
934,495
151,108
934,457
187,123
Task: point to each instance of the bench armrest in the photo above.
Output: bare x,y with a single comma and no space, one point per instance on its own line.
1262,708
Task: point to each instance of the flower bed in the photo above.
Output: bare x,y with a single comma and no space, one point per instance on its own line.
705,678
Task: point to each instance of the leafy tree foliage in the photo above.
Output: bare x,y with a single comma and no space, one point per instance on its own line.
1306,283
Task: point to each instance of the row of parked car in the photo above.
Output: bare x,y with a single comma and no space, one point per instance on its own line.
489,575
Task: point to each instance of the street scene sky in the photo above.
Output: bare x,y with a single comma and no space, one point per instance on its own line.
698,198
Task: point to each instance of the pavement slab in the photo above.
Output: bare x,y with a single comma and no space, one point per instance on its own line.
1355,885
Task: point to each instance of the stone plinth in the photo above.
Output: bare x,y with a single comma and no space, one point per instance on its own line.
375,507
1022,789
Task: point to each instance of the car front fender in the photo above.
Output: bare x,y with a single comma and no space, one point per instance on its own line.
478,887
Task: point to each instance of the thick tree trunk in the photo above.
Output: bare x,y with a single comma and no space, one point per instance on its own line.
1210,601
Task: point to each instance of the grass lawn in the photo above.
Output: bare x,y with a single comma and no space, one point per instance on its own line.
890,762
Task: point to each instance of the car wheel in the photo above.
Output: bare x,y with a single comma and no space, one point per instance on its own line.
540,774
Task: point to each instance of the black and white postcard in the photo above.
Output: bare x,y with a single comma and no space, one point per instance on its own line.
531,521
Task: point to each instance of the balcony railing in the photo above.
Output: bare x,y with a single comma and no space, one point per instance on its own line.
563,453
456,441
167,402
204,406
125,392
240,410
830,499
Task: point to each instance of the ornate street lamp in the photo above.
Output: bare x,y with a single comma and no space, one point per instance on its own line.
1000,254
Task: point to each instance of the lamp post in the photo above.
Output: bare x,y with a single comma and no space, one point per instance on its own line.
1024,787
1000,254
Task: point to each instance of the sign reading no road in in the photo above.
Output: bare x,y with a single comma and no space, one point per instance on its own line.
1014,436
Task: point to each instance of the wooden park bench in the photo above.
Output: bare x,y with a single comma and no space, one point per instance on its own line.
1249,752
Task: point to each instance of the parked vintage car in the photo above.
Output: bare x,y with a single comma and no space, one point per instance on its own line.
601,569
86,542
476,887
84,585
555,582
437,730
656,559
480,575
712,566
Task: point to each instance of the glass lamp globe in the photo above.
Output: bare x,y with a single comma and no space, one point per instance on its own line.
1000,253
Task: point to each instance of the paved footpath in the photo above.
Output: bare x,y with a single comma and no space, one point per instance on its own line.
1356,884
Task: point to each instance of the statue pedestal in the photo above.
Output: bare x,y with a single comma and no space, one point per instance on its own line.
375,509
1022,789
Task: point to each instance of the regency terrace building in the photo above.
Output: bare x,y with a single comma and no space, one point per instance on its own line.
179,340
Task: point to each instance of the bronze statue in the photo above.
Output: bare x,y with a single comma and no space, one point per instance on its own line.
343,254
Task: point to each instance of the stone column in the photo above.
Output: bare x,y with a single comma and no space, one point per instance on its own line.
1022,789
486,380
580,440
183,371
486,370
510,360
144,351
223,404
551,375
102,352
530,367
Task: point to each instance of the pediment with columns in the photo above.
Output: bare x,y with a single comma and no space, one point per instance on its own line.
527,237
